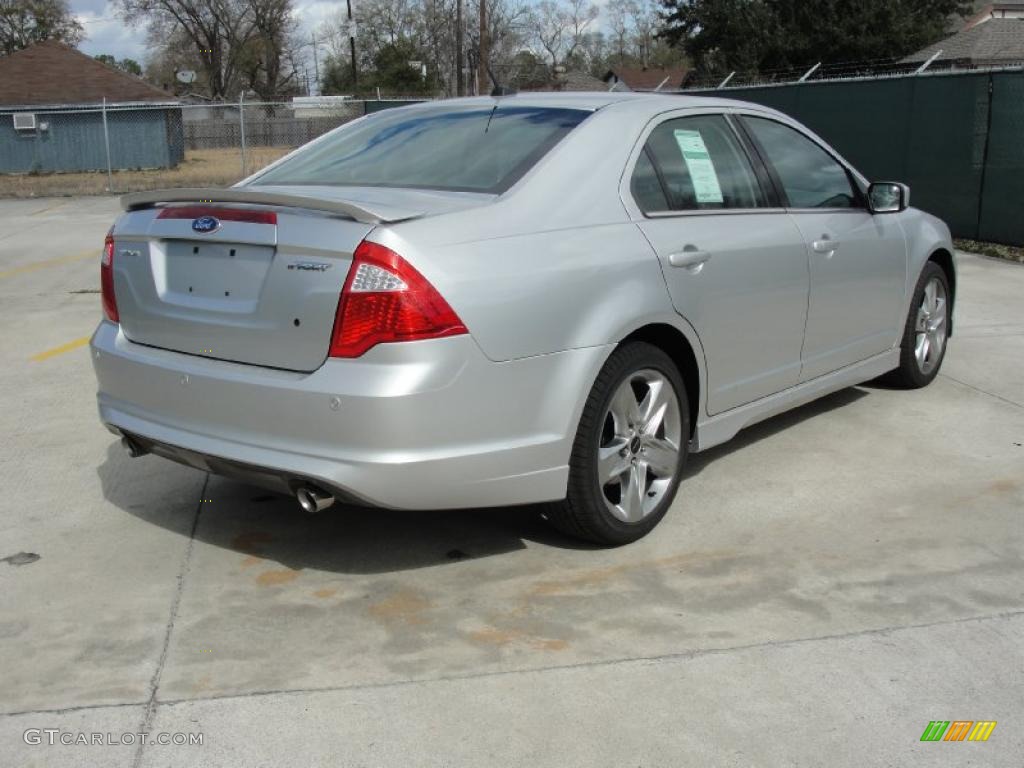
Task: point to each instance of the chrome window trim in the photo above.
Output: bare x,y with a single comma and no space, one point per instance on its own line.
710,212
827,210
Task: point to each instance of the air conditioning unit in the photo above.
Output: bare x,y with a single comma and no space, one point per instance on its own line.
24,121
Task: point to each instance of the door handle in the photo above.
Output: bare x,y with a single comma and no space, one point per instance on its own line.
689,258
826,245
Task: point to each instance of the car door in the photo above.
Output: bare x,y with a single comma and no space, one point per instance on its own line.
858,261
734,262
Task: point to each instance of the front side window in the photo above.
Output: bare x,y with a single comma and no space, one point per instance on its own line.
699,164
468,149
810,176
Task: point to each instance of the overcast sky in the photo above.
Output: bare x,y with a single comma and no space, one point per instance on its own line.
106,34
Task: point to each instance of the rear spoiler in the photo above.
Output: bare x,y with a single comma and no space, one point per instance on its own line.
363,212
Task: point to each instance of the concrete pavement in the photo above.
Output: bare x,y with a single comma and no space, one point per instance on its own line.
825,585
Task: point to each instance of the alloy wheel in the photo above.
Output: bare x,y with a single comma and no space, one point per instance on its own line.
641,436
930,328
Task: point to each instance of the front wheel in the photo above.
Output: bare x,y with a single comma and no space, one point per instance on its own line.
629,451
923,347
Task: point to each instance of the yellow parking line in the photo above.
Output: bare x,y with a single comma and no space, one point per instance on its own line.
60,350
92,253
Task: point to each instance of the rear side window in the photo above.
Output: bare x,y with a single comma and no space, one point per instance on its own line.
702,166
810,176
647,187
470,149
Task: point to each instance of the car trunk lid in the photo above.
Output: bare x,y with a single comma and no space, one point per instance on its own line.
257,293
260,285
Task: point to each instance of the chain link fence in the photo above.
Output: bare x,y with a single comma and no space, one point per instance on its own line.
120,148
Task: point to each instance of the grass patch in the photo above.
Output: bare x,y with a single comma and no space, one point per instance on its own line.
995,250
200,168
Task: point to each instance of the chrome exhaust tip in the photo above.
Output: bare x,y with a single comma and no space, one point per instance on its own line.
133,449
313,500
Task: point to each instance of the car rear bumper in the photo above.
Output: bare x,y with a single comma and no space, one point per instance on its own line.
421,425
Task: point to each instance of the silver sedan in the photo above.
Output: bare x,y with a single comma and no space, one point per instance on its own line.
515,300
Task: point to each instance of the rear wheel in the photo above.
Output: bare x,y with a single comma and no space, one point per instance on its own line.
924,338
629,451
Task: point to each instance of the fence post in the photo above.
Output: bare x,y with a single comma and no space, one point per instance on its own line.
923,67
991,88
241,128
106,141
809,72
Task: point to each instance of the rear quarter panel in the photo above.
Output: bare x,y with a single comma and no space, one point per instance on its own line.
544,292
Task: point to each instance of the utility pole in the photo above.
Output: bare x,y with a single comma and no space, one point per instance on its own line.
316,68
460,84
482,77
352,44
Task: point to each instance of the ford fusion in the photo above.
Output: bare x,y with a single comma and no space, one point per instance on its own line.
536,299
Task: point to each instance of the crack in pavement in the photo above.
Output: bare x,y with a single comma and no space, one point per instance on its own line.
677,656
154,683
982,391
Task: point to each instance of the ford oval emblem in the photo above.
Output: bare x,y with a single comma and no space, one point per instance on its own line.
204,225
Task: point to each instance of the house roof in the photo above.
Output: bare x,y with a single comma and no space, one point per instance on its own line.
53,73
997,40
984,10
638,79
571,81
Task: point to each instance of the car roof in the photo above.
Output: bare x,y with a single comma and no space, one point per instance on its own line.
594,100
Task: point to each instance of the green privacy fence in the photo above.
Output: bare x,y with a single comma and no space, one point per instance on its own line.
957,139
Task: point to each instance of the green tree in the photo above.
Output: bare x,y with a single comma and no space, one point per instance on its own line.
390,70
394,72
131,66
764,35
336,77
26,22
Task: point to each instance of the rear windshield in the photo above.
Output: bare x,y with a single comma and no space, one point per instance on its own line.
470,149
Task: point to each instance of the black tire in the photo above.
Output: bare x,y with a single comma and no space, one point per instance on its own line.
583,513
910,375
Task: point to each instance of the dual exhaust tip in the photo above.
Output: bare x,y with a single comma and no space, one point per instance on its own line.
310,498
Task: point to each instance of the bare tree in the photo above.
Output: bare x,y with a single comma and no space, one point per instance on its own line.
508,30
26,22
427,30
208,25
557,27
266,47
632,27
239,44
619,28
645,22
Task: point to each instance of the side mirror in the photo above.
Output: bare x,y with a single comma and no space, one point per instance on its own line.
888,197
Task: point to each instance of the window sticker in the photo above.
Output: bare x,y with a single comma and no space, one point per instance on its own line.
698,163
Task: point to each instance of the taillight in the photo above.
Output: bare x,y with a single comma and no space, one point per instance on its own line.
384,300
107,278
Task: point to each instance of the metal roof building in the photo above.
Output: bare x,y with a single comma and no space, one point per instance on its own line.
59,109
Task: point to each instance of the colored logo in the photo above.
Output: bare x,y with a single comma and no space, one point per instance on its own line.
204,225
958,730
